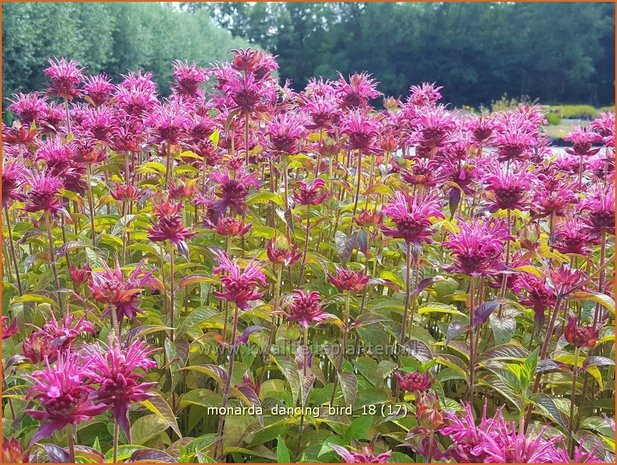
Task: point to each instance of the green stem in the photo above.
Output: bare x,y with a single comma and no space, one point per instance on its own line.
91,202
70,442
12,249
52,253
572,396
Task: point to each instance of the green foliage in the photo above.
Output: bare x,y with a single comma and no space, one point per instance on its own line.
552,51
106,37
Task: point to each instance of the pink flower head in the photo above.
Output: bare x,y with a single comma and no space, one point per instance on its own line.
305,308
552,195
509,191
110,288
578,335
29,107
229,226
348,280
13,452
239,286
533,292
566,279
127,192
481,129
99,122
65,394
170,123
514,137
136,95
253,61
368,218
604,124
357,92
495,440
425,94
582,140
322,111
600,208
285,132
8,330
119,370
311,194
572,237
361,129
98,89
231,191
477,248
363,455
188,78
43,193
80,275
414,381
64,77
423,172
55,337
170,226
249,94
14,174
435,125
18,134
412,218
281,252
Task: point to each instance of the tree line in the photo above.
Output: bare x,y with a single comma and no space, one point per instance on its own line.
555,52
106,37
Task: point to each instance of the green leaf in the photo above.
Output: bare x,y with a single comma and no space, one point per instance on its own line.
159,406
359,428
547,404
282,452
503,352
349,386
147,427
602,299
289,369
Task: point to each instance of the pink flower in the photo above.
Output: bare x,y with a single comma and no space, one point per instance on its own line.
534,293
65,394
80,275
229,226
425,94
311,194
29,107
477,248
13,452
600,208
285,132
64,77
434,126
170,123
604,124
281,252
364,455
239,286
361,129
578,335
119,370
305,308
552,195
8,330
127,192
412,218
368,218
572,237
98,89
582,140
509,191
566,279
357,92
18,134
253,61
110,288
188,77
170,226
14,175
348,280
44,193
231,191
414,381
55,337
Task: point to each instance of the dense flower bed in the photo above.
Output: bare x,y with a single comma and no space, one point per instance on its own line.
344,283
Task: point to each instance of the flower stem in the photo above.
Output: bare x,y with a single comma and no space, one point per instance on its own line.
227,386
52,253
407,294
572,395
91,202
272,339
115,445
304,374
358,179
172,290
70,442
12,248
344,346
246,138
306,241
472,357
